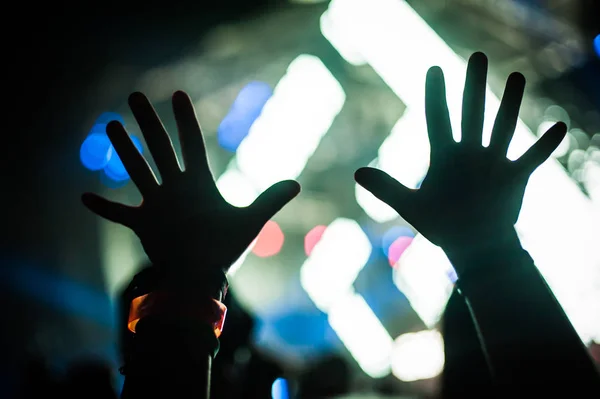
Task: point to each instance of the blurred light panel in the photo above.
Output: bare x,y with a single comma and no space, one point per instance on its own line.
115,169
383,32
243,112
279,389
597,45
418,356
269,240
303,106
328,276
335,262
424,275
362,333
290,126
312,238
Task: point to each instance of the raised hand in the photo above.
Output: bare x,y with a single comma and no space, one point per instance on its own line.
472,194
185,225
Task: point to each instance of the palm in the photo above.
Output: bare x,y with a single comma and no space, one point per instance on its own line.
470,191
454,192
184,222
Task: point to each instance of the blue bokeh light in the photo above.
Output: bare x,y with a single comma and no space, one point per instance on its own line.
95,151
114,169
279,389
243,112
392,235
597,45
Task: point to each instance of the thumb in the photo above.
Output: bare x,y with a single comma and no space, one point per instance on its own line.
386,188
110,210
273,199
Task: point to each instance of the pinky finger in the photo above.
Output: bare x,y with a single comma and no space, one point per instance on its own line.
543,148
113,211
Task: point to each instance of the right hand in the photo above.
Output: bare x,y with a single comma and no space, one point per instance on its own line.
471,193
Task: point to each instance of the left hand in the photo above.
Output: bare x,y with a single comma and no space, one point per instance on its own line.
184,224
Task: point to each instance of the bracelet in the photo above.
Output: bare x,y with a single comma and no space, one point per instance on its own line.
162,302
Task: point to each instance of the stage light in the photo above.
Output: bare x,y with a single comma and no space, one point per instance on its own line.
279,389
418,356
397,248
392,235
395,241
312,238
269,240
328,276
245,109
292,123
95,151
597,45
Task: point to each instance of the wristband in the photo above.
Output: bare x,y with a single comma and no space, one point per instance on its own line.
211,311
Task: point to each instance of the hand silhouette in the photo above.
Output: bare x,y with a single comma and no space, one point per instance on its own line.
472,194
184,224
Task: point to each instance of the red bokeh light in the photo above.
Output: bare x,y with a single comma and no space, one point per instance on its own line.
397,249
269,240
312,238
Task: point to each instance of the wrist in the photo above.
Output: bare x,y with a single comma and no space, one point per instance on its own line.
485,251
165,345
173,306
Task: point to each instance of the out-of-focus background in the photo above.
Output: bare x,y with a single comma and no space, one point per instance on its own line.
338,295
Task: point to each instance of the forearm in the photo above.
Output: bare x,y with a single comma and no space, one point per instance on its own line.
171,352
526,334
171,358
466,371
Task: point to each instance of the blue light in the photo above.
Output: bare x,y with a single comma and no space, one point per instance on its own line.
95,151
392,235
114,169
243,112
279,389
59,292
597,45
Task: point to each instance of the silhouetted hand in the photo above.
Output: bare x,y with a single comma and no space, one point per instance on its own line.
471,194
184,222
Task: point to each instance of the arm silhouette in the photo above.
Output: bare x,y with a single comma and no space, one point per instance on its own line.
468,205
191,236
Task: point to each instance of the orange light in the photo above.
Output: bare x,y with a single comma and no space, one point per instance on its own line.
140,307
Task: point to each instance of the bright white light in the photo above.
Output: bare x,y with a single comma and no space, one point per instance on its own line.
328,275
404,155
418,356
235,187
286,134
291,125
423,275
340,42
557,225
334,263
362,333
